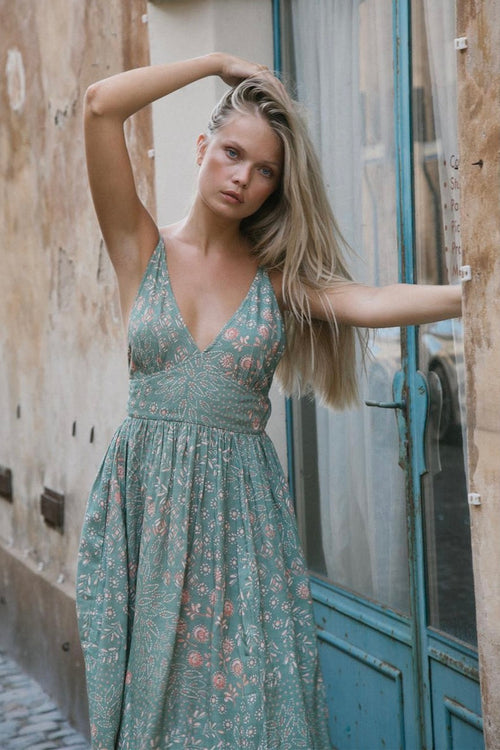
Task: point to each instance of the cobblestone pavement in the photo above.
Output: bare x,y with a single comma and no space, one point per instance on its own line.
29,720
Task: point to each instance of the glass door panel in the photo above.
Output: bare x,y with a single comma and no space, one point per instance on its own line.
350,490
438,257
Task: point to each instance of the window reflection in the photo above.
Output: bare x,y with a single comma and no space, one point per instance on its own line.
351,495
437,213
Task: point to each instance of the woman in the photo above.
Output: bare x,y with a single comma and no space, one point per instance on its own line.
193,601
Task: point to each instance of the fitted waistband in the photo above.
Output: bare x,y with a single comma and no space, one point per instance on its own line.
225,406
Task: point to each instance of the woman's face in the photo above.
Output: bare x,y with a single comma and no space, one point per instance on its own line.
240,166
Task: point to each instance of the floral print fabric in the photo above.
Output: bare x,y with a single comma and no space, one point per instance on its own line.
193,600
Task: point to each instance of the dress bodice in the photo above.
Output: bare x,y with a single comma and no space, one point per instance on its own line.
227,384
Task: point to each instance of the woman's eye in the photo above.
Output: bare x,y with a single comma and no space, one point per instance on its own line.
232,153
266,172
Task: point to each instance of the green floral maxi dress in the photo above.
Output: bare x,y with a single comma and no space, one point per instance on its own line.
193,599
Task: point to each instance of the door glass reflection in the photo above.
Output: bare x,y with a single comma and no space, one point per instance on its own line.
350,490
437,213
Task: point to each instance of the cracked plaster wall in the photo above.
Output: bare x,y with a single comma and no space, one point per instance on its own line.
479,134
62,352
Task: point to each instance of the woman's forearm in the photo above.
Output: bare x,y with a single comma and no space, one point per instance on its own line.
392,305
410,304
125,93
424,303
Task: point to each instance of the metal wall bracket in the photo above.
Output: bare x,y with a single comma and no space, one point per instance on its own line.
465,273
474,498
461,42
6,483
52,508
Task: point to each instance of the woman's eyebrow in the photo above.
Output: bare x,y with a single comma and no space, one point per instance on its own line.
231,142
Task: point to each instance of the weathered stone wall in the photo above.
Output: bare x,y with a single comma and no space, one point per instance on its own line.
479,133
62,353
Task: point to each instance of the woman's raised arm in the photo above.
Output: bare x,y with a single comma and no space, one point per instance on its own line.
387,306
128,229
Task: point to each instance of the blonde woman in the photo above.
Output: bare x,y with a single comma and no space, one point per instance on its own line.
193,600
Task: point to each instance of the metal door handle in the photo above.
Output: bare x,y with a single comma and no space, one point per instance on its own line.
387,404
419,411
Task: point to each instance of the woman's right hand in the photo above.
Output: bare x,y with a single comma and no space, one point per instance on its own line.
233,69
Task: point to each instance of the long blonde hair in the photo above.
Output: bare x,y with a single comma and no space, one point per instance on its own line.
295,232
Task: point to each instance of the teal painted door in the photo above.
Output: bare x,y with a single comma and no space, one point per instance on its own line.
381,489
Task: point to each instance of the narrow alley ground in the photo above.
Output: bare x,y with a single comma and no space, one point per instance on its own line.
29,720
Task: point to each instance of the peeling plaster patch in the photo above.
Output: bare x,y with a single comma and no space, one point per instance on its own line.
101,261
65,279
16,80
61,115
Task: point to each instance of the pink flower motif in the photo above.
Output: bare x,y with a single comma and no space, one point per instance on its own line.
267,315
264,331
219,681
195,659
227,361
201,633
241,343
185,596
246,362
228,608
227,646
303,590
237,667
128,678
270,531
231,333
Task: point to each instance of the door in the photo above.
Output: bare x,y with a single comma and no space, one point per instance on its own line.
380,490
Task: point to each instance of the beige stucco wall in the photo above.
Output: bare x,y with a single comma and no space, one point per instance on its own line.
62,353
62,356
479,132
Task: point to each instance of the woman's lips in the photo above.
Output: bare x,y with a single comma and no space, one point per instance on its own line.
233,197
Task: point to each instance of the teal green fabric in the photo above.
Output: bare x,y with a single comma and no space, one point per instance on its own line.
193,599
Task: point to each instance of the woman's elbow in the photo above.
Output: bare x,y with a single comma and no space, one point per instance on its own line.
93,101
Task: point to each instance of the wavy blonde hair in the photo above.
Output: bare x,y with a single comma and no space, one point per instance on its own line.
295,232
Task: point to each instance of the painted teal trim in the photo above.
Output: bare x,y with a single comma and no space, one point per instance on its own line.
465,649
277,65
416,406
454,654
288,403
290,454
453,708
460,665
376,664
364,611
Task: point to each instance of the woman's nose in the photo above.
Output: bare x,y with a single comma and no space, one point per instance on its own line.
242,174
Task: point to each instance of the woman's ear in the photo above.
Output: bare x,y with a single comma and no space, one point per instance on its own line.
201,147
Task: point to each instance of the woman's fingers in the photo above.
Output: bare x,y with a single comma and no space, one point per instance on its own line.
235,69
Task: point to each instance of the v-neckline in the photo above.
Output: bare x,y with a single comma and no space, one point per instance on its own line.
226,325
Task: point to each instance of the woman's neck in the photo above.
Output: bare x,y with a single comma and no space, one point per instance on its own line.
209,232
